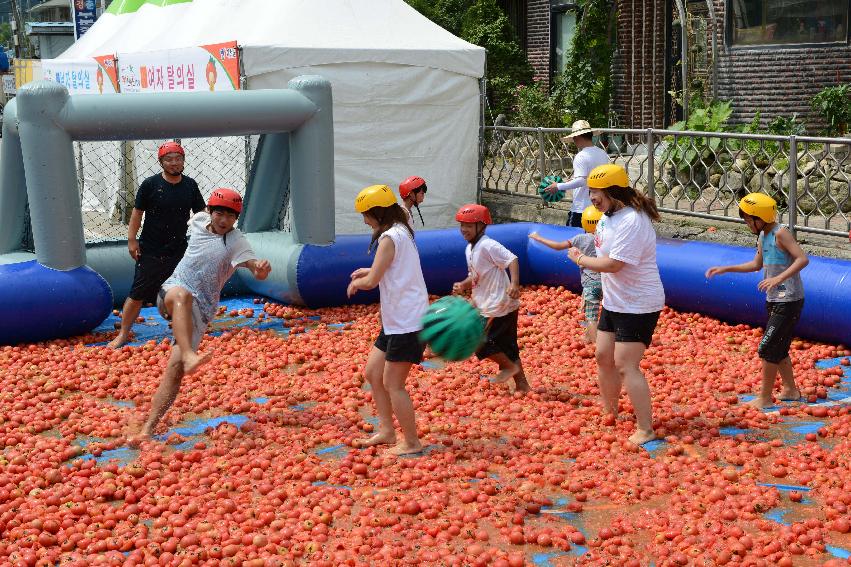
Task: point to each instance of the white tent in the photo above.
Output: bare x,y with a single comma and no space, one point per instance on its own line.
406,92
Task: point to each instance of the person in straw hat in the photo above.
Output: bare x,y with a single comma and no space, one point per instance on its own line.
587,158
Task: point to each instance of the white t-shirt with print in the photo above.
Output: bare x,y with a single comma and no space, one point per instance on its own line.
404,298
486,264
583,163
209,261
628,236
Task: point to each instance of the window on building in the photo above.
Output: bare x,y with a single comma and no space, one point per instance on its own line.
772,22
563,21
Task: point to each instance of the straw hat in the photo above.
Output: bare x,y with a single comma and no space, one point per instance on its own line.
577,128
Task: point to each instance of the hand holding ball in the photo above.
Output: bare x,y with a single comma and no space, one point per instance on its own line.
547,194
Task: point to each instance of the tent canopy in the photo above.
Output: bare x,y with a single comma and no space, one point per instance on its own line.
406,92
312,32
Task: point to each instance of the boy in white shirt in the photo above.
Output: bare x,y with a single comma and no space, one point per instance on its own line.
191,295
495,294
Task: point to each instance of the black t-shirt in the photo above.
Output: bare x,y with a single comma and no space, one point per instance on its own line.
167,209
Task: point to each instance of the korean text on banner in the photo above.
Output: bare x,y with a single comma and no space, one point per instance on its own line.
204,68
85,14
96,75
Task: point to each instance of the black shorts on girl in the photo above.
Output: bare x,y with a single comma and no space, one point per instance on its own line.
501,337
629,327
779,330
400,348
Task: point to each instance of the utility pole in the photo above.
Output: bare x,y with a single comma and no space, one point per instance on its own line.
17,28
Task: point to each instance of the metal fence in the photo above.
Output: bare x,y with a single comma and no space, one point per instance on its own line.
109,174
691,173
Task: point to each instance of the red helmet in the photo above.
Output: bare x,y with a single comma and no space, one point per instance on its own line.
474,213
228,198
170,148
410,184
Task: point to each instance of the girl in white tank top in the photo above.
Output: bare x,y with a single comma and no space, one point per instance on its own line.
397,273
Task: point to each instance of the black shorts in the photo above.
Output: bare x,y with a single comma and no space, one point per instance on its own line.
779,330
400,348
501,338
574,219
151,272
629,327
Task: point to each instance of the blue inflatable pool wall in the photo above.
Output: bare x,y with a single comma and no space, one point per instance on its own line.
323,273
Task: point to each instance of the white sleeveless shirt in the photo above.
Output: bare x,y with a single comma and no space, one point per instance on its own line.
404,298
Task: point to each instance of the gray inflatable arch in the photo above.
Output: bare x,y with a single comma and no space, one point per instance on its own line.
66,288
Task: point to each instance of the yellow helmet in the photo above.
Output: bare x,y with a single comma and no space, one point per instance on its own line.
590,216
374,196
759,205
608,175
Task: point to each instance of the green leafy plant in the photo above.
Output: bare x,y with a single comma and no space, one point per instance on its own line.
687,152
834,105
536,107
783,126
484,23
584,88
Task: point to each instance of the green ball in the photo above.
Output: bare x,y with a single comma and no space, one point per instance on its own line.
550,197
453,328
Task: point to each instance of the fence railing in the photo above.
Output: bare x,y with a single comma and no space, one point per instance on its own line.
109,174
691,173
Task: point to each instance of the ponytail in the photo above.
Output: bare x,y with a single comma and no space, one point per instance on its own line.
629,197
386,218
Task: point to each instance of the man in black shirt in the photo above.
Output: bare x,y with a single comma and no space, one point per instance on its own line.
166,201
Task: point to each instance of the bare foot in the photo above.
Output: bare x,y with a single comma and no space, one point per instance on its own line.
506,375
138,439
759,403
640,437
377,439
119,341
192,362
406,449
521,384
790,395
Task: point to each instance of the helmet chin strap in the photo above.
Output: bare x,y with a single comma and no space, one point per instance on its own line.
479,233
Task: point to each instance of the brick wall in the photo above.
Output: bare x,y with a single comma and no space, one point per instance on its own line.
638,67
777,81
772,80
538,38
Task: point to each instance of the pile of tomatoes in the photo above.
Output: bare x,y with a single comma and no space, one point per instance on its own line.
506,478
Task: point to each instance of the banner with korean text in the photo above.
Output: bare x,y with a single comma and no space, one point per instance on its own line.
96,75
204,68
85,14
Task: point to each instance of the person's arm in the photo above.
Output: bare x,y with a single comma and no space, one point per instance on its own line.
359,273
753,266
133,231
787,243
572,183
383,258
198,203
555,245
464,285
259,268
514,276
604,264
